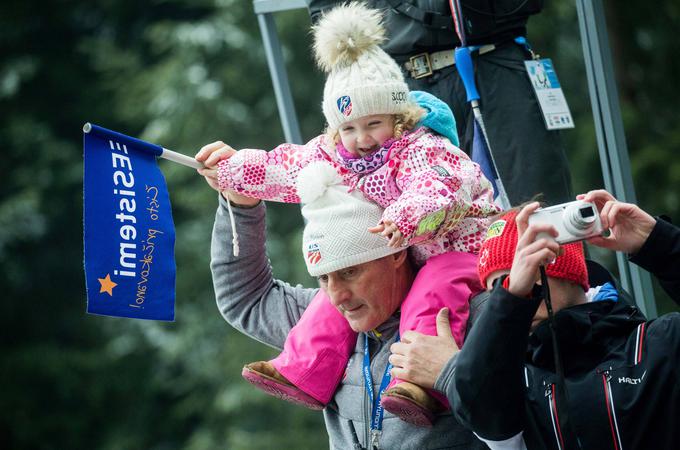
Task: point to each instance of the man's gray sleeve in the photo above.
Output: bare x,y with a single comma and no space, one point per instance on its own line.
248,297
444,381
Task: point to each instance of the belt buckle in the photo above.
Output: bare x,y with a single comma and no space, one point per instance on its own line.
420,66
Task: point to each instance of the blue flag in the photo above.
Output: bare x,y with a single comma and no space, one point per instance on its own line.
480,154
129,235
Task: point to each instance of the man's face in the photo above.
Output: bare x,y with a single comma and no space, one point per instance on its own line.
367,294
562,293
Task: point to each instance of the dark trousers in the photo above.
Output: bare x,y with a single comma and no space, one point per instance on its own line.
530,159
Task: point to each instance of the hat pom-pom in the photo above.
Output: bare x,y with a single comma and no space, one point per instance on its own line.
344,33
314,179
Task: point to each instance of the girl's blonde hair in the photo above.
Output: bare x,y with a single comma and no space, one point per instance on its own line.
404,121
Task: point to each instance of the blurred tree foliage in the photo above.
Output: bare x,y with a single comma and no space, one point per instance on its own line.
182,74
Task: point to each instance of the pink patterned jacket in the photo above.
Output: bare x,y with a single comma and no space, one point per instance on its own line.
438,198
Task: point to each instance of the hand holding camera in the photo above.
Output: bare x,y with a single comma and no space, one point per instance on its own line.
541,231
574,221
629,225
590,215
536,246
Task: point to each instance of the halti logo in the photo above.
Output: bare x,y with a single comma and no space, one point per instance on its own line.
629,380
345,105
313,254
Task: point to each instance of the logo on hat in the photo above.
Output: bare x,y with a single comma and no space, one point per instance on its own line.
313,254
495,229
345,105
399,97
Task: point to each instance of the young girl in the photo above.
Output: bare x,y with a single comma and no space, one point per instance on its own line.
436,201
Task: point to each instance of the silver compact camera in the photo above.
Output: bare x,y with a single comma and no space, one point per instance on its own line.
574,221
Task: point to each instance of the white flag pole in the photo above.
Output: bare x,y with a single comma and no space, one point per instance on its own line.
181,159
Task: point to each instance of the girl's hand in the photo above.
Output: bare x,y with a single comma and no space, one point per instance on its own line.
210,155
213,153
388,229
210,176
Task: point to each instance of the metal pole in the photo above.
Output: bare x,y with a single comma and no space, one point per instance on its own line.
277,69
611,140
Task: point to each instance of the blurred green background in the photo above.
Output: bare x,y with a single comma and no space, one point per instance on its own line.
181,74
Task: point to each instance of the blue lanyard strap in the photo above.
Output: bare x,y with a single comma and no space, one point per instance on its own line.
521,40
376,407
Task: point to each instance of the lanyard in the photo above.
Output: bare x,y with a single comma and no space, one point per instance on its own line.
521,40
376,407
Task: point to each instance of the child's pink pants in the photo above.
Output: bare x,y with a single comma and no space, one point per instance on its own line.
316,351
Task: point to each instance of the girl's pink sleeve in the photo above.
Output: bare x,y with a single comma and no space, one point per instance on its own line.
269,175
439,188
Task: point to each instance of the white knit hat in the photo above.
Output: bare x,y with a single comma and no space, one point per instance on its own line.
362,78
336,235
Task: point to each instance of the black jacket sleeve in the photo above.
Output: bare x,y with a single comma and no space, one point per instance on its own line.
660,255
487,392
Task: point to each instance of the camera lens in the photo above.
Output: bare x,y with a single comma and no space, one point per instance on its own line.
579,218
586,212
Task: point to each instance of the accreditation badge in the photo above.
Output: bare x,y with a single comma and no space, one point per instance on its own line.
549,94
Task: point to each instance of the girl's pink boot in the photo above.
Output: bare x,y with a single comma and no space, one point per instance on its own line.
264,376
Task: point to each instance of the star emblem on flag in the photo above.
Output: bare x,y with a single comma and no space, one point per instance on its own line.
107,285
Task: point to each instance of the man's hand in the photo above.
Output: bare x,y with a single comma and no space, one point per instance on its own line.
630,226
531,252
389,229
419,358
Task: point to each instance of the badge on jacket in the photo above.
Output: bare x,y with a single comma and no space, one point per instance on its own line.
549,94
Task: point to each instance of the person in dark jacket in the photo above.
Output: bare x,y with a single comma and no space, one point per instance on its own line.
619,387
421,35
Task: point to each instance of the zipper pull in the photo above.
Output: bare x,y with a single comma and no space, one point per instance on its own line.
375,439
607,375
548,390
